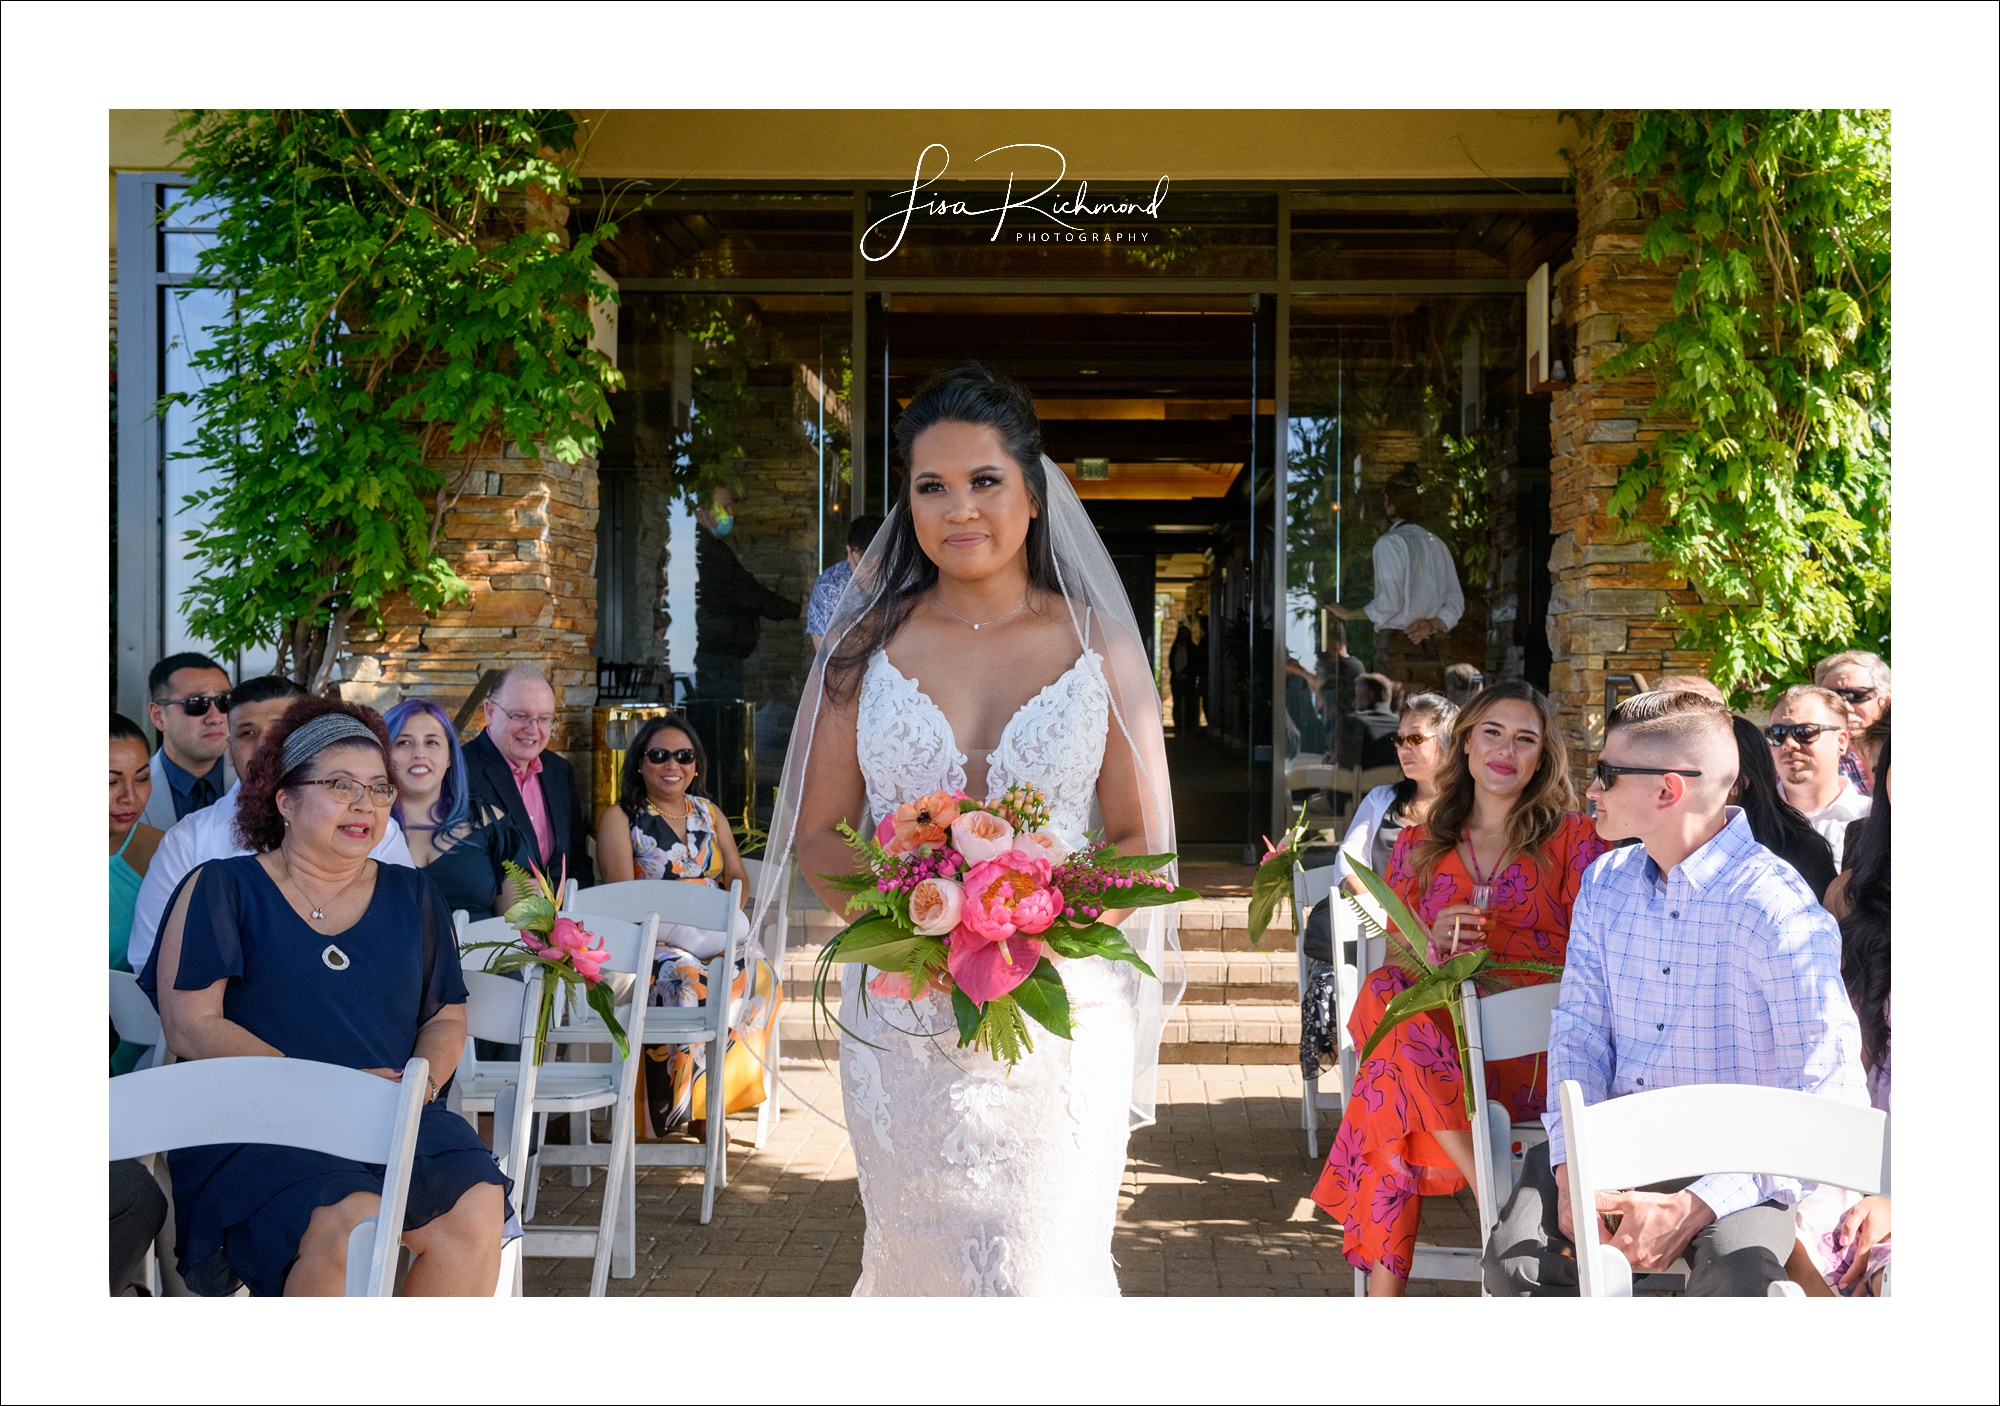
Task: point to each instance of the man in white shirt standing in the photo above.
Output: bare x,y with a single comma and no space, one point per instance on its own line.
1417,595
254,709
1808,736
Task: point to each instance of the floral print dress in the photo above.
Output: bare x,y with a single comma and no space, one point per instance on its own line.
677,1075
1384,1157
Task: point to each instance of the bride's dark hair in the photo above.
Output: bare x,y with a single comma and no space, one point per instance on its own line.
970,395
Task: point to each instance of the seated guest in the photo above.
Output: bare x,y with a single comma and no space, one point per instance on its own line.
1384,813
1861,680
1367,733
1695,957
1844,1238
254,709
512,770
1808,736
1689,683
461,846
307,948
1775,823
188,704
826,588
1496,865
138,1210
663,828
133,842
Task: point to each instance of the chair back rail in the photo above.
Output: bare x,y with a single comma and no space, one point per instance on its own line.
134,1018
288,1103
697,905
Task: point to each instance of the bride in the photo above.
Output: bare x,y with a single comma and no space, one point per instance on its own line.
986,640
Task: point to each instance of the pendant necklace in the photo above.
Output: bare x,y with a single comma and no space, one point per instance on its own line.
332,956
979,624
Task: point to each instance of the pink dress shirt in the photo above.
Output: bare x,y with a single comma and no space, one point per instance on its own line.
529,779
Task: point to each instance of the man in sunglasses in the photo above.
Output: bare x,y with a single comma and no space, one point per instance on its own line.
189,709
1696,956
1862,681
1809,737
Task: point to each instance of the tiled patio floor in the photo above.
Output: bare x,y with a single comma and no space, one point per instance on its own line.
1214,1203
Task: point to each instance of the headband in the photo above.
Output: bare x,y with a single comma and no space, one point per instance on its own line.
321,733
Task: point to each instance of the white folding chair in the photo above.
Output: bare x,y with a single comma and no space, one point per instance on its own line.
502,1011
1309,886
779,926
288,1103
1506,1025
698,906
1696,1129
135,1020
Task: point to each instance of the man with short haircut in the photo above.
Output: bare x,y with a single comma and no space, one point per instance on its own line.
254,709
1689,683
1696,956
832,581
1809,739
1861,680
1461,681
510,766
1368,734
188,705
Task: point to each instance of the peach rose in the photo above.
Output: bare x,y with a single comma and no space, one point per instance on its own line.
980,835
935,905
1041,844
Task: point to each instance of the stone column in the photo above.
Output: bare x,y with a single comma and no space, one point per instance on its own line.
523,535
1607,594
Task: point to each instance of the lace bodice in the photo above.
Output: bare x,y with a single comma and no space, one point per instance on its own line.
1055,742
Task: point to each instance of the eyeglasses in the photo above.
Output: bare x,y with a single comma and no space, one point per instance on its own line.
659,756
1606,773
545,721
1412,739
1854,695
349,790
1806,733
196,705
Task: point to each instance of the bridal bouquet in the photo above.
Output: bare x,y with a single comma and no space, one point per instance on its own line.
982,903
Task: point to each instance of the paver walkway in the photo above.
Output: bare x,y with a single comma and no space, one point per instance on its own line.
1214,1203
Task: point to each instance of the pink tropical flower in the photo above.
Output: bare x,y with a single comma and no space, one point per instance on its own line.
935,905
1007,899
980,836
571,939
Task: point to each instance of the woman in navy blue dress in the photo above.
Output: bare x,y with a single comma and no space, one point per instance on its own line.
310,949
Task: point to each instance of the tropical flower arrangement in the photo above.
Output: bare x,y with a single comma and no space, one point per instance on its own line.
1406,943
981,904
567,953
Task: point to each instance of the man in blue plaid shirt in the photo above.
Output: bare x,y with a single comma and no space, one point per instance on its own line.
1696,956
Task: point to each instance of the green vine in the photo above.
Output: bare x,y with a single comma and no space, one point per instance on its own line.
404,288
1769,481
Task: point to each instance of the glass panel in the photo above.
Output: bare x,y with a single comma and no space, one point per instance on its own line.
729,236
1195,234
1433,385
749,395
183,212
1367,237
180,250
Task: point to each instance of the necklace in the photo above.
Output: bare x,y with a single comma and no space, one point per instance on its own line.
979,624
318,909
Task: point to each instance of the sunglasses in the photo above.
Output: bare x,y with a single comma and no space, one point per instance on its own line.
1807,733
1412,739
1854,695
660,756
196,705
1606,773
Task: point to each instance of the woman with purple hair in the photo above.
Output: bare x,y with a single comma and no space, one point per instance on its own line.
459,842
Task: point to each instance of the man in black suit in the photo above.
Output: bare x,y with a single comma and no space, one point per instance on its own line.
509,766
1368,735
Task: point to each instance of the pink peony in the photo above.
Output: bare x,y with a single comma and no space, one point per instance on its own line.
980,835
1041,844
935,905
1007,899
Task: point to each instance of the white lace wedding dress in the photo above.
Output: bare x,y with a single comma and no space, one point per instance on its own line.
976,1181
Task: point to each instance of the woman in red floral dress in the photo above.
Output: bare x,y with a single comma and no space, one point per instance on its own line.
1505,821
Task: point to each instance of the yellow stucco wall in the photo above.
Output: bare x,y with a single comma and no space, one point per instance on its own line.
1124,145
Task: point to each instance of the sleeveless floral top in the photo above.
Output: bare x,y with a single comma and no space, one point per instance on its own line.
659,853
